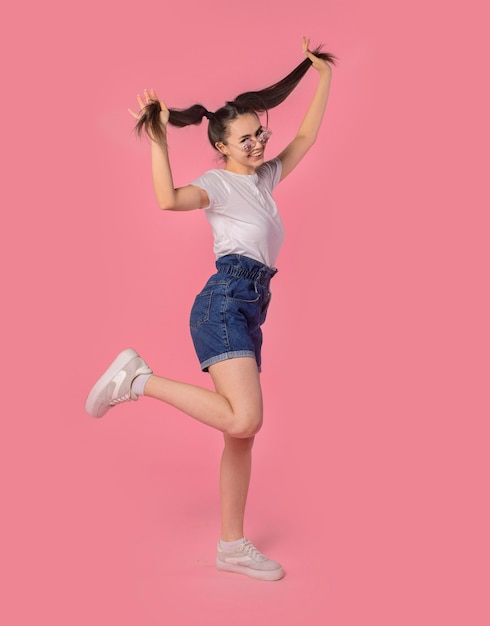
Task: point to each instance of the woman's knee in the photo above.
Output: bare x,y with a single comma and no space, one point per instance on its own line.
238,381
245,426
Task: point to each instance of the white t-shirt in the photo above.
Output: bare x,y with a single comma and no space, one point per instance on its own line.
242,212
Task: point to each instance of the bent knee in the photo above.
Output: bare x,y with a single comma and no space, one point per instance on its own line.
245,427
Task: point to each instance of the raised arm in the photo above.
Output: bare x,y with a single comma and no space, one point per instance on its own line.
168,197
308,130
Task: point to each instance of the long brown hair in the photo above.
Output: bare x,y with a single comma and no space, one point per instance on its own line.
248,102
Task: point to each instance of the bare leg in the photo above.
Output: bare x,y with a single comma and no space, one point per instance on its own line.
236,465
236,461
235,408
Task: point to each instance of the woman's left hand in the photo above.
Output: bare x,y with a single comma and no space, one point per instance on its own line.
319,64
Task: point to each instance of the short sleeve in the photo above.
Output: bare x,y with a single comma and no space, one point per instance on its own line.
214,186
270,173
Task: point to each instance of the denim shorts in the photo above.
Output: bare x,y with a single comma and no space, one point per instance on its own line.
228,313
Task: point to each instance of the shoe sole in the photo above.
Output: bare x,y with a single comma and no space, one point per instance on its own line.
275,574
116,366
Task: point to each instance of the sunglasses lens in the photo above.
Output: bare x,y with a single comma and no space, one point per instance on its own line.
248,145
264,136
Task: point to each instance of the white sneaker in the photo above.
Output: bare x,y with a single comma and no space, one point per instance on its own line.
246,559
114,386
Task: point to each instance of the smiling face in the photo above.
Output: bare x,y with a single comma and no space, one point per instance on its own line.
243,133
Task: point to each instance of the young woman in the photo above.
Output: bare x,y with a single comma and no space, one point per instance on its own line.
228,313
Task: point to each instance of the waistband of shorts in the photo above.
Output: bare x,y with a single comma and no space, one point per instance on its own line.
241,266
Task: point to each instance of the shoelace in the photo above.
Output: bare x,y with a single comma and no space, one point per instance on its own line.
250,550
124,398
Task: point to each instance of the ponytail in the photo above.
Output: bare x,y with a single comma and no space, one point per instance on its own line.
149,119
274,95
248,102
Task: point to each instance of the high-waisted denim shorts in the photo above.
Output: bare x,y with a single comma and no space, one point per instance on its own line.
228,313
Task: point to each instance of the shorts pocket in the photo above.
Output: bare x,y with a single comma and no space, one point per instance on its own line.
241,290
201,309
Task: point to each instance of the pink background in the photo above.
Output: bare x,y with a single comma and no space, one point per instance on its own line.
371,472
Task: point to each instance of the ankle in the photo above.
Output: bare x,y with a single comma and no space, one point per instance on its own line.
231,545
139,383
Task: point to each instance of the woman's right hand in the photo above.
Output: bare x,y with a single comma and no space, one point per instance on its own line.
149,97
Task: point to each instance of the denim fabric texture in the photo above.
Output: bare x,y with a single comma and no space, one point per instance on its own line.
228,313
